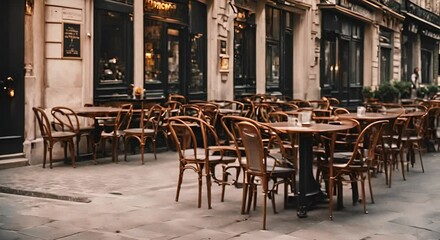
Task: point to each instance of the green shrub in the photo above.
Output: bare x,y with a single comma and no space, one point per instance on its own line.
404,88
422,92
432,89
367,92
387,93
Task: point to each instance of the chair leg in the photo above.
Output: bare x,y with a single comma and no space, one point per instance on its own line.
44,153
154,148
208,189
179,184
50,157
251,193
244,195
420,155
125,148
72,153
199,201
370,187
402,165
364,204
265,190
142,151
224,181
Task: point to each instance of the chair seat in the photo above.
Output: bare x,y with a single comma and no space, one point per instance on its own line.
279,170
138,131
63,134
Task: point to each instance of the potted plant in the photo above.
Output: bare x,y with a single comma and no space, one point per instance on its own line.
432,90
422,91
367,92
387,93
404,88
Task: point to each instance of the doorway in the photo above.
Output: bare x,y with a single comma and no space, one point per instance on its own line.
12,77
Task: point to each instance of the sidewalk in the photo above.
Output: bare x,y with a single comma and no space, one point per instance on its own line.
133,201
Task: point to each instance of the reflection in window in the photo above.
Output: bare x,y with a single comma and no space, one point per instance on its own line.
357,64
329,62
272,66
112,57
197,64
152,50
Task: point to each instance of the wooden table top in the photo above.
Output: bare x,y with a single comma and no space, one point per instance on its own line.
312,128
95,111
369,116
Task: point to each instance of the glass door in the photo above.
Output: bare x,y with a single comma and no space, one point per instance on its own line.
12,77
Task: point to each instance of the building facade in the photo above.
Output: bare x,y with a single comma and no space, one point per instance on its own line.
97,51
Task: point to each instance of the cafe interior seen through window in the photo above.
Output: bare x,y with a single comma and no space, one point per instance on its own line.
113,49
244,53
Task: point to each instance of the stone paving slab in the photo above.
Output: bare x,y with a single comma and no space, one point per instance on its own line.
133,201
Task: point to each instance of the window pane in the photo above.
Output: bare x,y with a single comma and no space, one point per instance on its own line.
276,24
152,49
268,22
238,49
173,60
385,65
112,59
197,64
274,66
356,60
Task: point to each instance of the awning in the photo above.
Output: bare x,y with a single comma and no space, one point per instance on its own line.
345,11
436,27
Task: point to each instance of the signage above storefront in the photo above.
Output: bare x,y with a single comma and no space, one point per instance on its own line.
430,34
167,9
159,5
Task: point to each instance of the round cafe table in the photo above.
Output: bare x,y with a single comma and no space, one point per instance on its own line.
369,117
309,189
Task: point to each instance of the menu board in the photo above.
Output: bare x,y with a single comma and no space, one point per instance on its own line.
71,40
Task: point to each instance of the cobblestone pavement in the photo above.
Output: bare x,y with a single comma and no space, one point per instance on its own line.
133,201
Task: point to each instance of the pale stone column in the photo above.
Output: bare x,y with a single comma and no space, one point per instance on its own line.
260,20
220,27
138,44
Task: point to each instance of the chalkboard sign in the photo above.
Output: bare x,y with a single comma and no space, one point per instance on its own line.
71,40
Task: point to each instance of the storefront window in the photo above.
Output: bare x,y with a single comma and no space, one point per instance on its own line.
113,50
244,54
153,52
426,58
197,84
342,59
112,60
386,45
279,51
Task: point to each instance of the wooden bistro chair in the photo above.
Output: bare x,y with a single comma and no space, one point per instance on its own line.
257,167
113,129
65,119
199,150
413,139
393,147
148,129
51,137
359,165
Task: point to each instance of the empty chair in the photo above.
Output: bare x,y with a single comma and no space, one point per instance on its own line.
113,129
413,139
148,129
50,138
257,167
199,150
359,165
65,119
